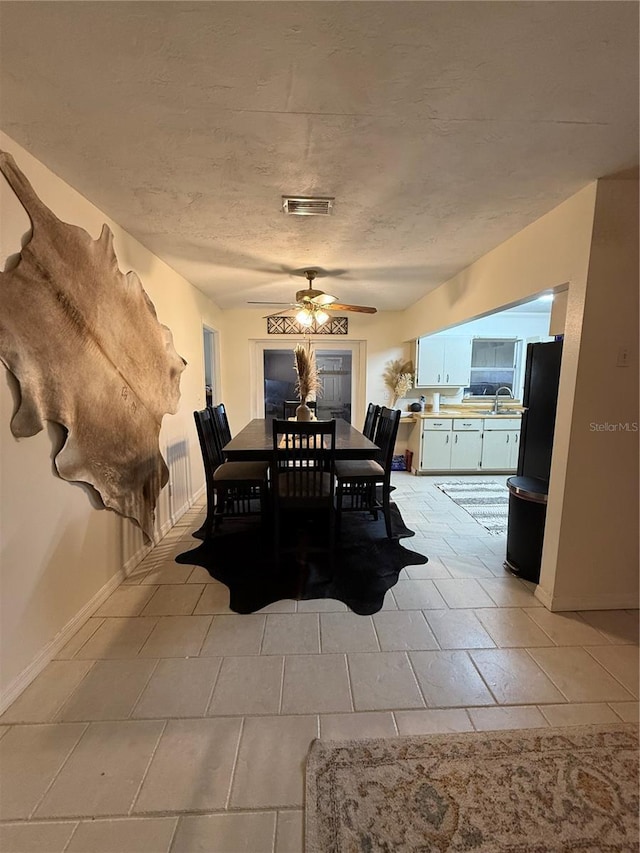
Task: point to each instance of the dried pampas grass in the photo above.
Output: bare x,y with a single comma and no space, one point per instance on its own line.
308,379
398,377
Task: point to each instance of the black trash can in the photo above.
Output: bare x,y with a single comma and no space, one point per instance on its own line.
525,531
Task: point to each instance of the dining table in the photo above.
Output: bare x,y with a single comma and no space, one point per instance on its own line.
363,565
255,442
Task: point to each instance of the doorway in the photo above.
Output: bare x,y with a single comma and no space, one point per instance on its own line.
339,365
209,351
336,372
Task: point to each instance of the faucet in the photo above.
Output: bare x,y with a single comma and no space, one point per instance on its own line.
496,402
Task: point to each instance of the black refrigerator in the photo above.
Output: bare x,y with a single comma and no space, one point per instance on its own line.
528,490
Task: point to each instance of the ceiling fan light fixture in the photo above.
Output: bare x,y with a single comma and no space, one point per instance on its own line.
307,206
321,317
304,317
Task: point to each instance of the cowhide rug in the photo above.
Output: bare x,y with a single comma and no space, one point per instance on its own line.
364,566
85,345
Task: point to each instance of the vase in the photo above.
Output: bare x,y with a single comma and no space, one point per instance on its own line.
303,412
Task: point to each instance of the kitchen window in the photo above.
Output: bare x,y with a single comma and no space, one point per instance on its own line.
494,363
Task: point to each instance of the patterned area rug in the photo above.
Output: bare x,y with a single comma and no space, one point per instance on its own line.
569,789
487,503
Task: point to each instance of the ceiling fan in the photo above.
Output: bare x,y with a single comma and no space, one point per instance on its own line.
311,304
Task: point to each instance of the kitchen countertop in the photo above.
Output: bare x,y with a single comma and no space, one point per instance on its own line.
457,413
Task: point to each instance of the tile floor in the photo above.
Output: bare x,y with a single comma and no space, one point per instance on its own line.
169,723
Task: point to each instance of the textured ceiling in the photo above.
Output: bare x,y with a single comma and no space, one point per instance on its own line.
441,128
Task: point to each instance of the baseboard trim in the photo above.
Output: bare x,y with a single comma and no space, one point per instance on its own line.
196,495
178,513
48,652
543,596
604,601
136,559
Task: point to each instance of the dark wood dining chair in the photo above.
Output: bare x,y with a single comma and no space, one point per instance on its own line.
289,408
233,488
302,472
364,485
371,420
221,423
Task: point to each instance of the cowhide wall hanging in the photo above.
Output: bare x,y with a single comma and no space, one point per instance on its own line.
84,342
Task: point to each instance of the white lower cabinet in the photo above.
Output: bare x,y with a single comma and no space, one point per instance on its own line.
466,444
495,450
436,450
466,450
500,450
435,445
500,444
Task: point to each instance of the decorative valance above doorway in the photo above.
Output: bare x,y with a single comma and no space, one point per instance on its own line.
290,326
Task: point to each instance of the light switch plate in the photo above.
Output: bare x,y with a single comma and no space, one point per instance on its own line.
623,357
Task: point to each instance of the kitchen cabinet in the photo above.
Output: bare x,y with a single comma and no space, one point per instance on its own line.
444,361
495,451
430,442
465,444
436,451
500,444
449,444
435,445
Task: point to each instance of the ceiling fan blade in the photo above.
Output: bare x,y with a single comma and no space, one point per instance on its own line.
324,299
278,313
363,309
312,302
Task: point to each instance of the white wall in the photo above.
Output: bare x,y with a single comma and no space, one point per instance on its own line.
558,313
590,554
57,550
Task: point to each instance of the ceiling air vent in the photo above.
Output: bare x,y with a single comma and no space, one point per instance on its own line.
307,206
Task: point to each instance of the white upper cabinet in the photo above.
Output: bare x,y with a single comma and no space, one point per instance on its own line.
443,361
457,361
429,361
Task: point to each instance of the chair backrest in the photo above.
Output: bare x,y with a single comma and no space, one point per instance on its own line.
303,460
289,407
385,437
209,445
371,420
221,423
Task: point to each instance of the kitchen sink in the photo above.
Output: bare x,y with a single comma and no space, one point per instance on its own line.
488,413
